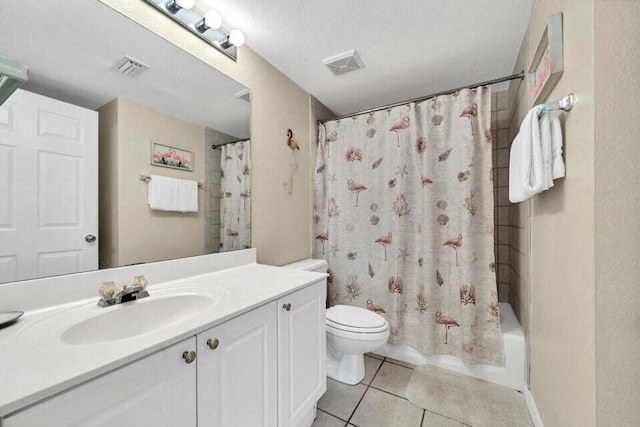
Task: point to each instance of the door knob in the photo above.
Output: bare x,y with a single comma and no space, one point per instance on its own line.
213,343
89,238
189,356
287,306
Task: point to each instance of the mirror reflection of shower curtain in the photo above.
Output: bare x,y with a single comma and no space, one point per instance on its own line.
235,202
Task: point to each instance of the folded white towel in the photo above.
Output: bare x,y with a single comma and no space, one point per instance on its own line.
525,163
170,194
557,163
545,149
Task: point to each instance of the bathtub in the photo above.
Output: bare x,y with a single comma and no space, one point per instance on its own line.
511,375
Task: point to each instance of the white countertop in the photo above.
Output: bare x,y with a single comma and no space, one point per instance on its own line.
33,368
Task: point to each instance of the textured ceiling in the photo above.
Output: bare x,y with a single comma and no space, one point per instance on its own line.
410,47
70,52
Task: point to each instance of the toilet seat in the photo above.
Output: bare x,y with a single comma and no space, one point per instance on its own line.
355,320
355,329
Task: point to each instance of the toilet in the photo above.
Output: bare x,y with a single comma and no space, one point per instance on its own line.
351,332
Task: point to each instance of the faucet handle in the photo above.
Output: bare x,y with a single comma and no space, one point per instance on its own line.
140,281
108,290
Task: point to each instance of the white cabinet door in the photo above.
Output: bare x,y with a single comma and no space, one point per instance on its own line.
237,371
301,353
48,187
158,390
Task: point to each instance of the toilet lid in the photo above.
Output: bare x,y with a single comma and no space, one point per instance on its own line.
351,318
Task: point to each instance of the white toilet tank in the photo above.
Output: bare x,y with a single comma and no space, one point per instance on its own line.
309,264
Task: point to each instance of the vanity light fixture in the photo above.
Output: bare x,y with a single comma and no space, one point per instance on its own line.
174,6
212,20
205,24
12,76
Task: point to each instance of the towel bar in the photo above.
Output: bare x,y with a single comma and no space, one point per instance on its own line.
147,178
565,104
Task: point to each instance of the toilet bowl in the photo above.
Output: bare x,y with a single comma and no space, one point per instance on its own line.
351,332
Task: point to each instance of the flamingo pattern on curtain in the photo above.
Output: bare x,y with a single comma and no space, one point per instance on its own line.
235,193
404,217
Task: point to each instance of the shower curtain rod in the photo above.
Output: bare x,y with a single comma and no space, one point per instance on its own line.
214,146
519,75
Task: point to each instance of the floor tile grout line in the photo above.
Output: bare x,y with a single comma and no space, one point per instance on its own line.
365,392
449,418
403,366
333,415
393,394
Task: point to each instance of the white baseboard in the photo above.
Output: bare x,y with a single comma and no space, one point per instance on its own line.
533,409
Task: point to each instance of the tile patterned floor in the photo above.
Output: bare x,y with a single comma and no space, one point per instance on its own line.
378,401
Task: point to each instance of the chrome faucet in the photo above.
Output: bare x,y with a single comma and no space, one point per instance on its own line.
110,294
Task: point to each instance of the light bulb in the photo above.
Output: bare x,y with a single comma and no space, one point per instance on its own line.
213,19
174,6
236,38
186,4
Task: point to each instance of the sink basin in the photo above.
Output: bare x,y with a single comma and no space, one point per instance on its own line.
136,318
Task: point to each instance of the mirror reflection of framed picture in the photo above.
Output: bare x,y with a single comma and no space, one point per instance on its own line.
547,64
171,157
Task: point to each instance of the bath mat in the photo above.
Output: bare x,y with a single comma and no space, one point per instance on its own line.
466,399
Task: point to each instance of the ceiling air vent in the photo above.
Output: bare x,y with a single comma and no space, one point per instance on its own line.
129,66
244,94
344,62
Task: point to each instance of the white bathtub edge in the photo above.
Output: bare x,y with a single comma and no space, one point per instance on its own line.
511,375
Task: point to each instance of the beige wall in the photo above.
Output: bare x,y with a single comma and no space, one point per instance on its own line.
281,222
617,197
556,228
139,233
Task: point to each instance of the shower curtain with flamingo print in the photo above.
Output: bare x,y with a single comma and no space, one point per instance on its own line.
235,193
404,217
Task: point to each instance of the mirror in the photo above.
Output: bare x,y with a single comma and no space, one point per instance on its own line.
91,146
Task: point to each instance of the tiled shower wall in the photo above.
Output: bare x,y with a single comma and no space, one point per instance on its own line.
212,189
501,141
520,213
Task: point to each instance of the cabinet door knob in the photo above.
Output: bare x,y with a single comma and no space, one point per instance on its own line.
189,356
213,343
287,306
90,238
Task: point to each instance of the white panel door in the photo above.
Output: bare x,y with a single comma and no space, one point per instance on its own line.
237,374
156,391
48,187
301,353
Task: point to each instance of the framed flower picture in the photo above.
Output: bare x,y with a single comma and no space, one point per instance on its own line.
171,157
547,64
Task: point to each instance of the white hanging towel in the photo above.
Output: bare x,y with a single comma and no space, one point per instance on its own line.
171,194
551,145
557,162
525,163
545,149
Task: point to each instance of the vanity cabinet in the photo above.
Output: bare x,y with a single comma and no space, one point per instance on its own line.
238,372
301,355
263,368
157,390
266,367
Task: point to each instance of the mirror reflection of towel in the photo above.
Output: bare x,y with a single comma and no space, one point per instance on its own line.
171,194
